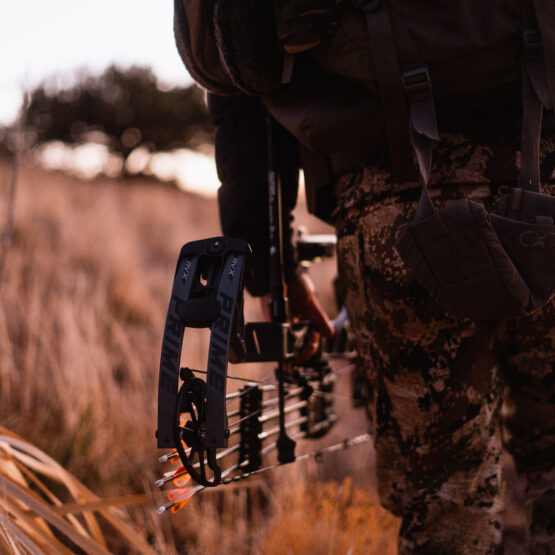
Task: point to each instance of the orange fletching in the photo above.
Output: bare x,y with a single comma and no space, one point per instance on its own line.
175,494
181,481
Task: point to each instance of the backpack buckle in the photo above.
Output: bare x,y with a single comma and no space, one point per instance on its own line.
532,44
368,6
417,82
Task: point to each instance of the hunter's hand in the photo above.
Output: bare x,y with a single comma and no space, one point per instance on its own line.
304,306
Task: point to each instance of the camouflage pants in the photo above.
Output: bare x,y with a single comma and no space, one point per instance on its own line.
437,384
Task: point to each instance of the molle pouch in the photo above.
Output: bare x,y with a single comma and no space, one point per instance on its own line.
483,266
524,222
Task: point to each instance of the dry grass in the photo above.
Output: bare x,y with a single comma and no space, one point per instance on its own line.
329,518
35,519
82,307
81,317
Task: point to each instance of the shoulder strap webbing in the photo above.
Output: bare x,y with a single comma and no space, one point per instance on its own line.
532,110
393,100
412,80
545,11
422,116
417,85
534,63
535,90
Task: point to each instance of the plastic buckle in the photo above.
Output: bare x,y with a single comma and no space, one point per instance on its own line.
532,44
369,6
417,80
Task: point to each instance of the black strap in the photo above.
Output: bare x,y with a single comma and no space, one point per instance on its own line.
417,85
413,80
545,10
535,95
389,79
531,133
534,63
422,116
425,207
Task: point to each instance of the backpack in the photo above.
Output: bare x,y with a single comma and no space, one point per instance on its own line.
473,52
403,61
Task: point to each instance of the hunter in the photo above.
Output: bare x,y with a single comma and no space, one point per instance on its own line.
417,127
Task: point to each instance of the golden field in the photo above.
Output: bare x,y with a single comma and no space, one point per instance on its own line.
82,308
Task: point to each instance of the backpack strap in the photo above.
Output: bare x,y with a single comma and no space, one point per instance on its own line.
534,63
417,85
545,11
422,116
397,83
532,111
388,75
536,92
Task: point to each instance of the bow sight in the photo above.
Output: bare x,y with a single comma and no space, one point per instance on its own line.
197,419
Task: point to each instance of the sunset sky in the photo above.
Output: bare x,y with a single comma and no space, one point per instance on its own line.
40,39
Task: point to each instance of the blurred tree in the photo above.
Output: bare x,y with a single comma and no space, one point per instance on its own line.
124,109
5,152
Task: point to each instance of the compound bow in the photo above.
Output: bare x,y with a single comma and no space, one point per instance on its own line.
197,419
